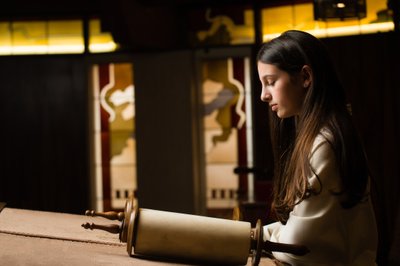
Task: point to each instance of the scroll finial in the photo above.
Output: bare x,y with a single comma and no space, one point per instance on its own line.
111,228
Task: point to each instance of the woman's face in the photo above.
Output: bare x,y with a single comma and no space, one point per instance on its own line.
285,94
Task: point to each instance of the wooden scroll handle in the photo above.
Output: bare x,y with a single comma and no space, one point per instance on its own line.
109,215
112,228
298,250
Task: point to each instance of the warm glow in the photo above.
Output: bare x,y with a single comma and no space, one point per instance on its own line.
344,31
300,17
57,49
52,37
341,5
41,49
21,49
66,49
100,42
103,47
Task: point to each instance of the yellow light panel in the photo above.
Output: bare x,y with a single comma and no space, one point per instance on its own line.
301,17
52,37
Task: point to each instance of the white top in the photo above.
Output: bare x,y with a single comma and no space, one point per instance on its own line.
334,236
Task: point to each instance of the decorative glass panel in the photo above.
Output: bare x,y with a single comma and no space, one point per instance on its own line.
65,36
224,26
227,132
27,35
114,134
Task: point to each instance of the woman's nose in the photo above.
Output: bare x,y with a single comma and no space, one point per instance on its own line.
265,95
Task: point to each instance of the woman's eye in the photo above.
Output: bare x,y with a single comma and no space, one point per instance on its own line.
270,83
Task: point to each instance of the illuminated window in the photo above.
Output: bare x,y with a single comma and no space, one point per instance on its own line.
301,17
52,37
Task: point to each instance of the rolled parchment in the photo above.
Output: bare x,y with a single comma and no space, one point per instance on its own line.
200,238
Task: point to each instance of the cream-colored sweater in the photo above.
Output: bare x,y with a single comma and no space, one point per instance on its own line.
334,236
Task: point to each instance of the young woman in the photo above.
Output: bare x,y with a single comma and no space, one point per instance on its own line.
321,187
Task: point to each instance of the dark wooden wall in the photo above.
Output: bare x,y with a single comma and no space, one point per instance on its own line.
44,149
166,147
369,68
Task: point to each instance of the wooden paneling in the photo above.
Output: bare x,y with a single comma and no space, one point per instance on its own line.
165,110
44,162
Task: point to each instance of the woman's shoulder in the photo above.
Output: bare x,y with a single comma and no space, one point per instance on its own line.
323,139
323,161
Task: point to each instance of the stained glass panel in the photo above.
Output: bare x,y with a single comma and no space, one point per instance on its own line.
227,132
114,134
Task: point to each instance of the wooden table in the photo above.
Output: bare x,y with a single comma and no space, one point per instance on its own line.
46,238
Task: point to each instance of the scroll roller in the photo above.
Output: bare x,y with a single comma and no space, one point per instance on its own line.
169,235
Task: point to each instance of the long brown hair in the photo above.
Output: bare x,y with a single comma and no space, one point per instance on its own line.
324,107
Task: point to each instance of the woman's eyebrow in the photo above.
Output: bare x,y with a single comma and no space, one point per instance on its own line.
269,76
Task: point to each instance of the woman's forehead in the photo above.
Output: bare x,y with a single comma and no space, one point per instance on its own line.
268,69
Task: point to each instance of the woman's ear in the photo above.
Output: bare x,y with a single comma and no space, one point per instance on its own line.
307,77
